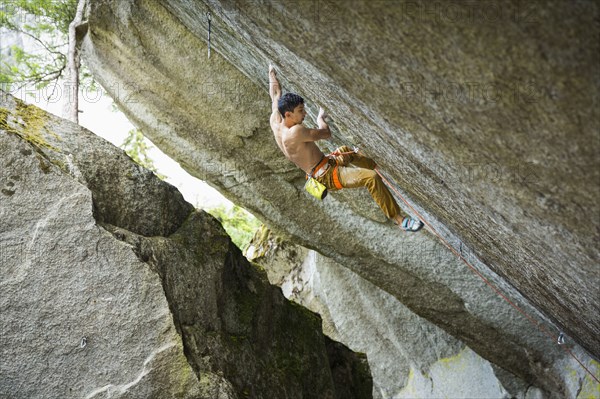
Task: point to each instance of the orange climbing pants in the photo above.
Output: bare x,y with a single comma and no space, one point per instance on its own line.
360,173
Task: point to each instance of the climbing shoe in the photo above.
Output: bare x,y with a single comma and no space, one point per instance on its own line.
411,225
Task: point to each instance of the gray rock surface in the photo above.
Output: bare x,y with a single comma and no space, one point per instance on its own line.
112,286
485,120
409,357
80,315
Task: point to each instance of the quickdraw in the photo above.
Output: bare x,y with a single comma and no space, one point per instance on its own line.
209,18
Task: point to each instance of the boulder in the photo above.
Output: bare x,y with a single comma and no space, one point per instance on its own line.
112,286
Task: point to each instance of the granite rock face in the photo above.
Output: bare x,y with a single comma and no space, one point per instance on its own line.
484,117
112,286
81,315
409,357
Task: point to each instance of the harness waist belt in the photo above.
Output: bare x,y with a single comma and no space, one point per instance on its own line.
321,168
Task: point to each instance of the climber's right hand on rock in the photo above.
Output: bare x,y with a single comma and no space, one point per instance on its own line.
321,119
322,114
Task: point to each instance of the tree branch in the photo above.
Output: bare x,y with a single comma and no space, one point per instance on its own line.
37,78
71,106
61,55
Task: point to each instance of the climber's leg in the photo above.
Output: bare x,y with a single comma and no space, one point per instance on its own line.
362,162
362,177
355,159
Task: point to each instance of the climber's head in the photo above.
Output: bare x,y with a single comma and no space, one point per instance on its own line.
291,107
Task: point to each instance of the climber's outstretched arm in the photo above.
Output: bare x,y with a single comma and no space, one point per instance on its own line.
275,93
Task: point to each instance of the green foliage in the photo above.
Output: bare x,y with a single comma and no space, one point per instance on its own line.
238,223
136,146
50,15
47,23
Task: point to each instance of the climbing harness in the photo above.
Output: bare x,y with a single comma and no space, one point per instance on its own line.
560,339
208,17
336,174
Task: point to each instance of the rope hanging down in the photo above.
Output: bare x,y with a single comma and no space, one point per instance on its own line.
559,339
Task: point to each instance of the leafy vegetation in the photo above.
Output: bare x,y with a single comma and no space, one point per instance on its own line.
238,223
46,22
136,146
55,15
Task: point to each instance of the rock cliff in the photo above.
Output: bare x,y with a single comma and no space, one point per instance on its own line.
484,117
112,286
409,356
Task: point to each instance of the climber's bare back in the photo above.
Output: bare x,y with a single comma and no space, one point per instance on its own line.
294,145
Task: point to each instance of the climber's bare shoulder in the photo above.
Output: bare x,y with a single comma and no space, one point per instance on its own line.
299,146
289,138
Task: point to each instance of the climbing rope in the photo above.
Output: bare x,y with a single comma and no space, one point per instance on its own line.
559,339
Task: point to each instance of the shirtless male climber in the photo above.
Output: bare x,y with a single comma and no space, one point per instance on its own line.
297,143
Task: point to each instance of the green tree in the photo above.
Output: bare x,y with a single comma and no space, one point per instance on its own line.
137,147
46,22
57,29
238,223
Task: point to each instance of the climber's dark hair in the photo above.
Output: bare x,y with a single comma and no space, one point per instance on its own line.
288,102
